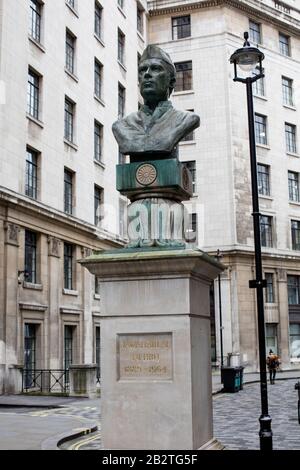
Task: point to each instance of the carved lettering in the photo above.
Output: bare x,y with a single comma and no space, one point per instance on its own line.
145,356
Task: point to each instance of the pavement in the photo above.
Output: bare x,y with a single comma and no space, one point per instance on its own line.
51,423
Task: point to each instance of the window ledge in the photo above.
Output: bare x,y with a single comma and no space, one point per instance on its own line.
292,154
264,196
183,92
187,142
263,146
100,164
33,286
99,100
36,121
295,203
140,35
36,43
97,296
72,292
122,65
71,144
121,11
75,12
289,106
264,98
182,39
76,79
99,39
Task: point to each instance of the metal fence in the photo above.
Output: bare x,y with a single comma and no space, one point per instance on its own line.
45,380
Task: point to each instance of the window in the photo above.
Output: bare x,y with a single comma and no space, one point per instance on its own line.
184,75
68,349
98,140
68,192
270,297
266,231
70,52
98,79
140,19
293,186
192,167
31,173
69,120
35,20
290,138
98,351
271,337
98,19
287,91
30,354
33,94
121,46
121,101
98,203
68,266
97,285
191,233
259,85
122,218
295,226
30,256
263,179
261,129
293,283
284,44
181,27
254,32
295,340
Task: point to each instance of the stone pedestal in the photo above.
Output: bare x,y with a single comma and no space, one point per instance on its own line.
83,379
155,348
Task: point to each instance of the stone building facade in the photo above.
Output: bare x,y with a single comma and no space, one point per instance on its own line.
68,69
200,36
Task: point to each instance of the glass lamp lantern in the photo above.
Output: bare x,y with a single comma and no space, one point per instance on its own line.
247,58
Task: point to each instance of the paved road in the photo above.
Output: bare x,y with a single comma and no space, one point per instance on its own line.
236,417
235,420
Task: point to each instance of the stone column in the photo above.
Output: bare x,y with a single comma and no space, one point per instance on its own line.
54,289
155,335
11,307
283,326
87,294
83,378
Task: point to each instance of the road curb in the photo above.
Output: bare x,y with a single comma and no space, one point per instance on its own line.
53,443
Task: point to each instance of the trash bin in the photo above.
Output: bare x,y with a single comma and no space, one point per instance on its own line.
231,379
241,377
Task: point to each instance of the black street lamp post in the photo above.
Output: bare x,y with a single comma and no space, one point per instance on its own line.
248,58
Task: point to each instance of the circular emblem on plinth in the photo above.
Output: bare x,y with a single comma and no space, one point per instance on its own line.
146,174
185,178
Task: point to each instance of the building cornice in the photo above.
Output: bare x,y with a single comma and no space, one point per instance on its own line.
41,211
257,10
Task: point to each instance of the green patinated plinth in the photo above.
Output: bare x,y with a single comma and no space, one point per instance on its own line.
172,180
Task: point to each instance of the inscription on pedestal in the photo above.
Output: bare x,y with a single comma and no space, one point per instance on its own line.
145,356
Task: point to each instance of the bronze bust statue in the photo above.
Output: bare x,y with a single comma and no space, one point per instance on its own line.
155,130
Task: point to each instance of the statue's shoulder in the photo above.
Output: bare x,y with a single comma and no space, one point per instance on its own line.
185,118
127,121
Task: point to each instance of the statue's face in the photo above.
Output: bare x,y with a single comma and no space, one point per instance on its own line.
154,80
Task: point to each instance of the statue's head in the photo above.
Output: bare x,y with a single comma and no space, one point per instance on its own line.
157,75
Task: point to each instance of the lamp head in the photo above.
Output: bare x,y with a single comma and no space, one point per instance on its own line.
247,58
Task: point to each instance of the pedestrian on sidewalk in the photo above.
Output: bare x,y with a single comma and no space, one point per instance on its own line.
273,364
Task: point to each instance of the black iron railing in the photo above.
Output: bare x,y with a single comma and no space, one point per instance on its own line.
45,380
